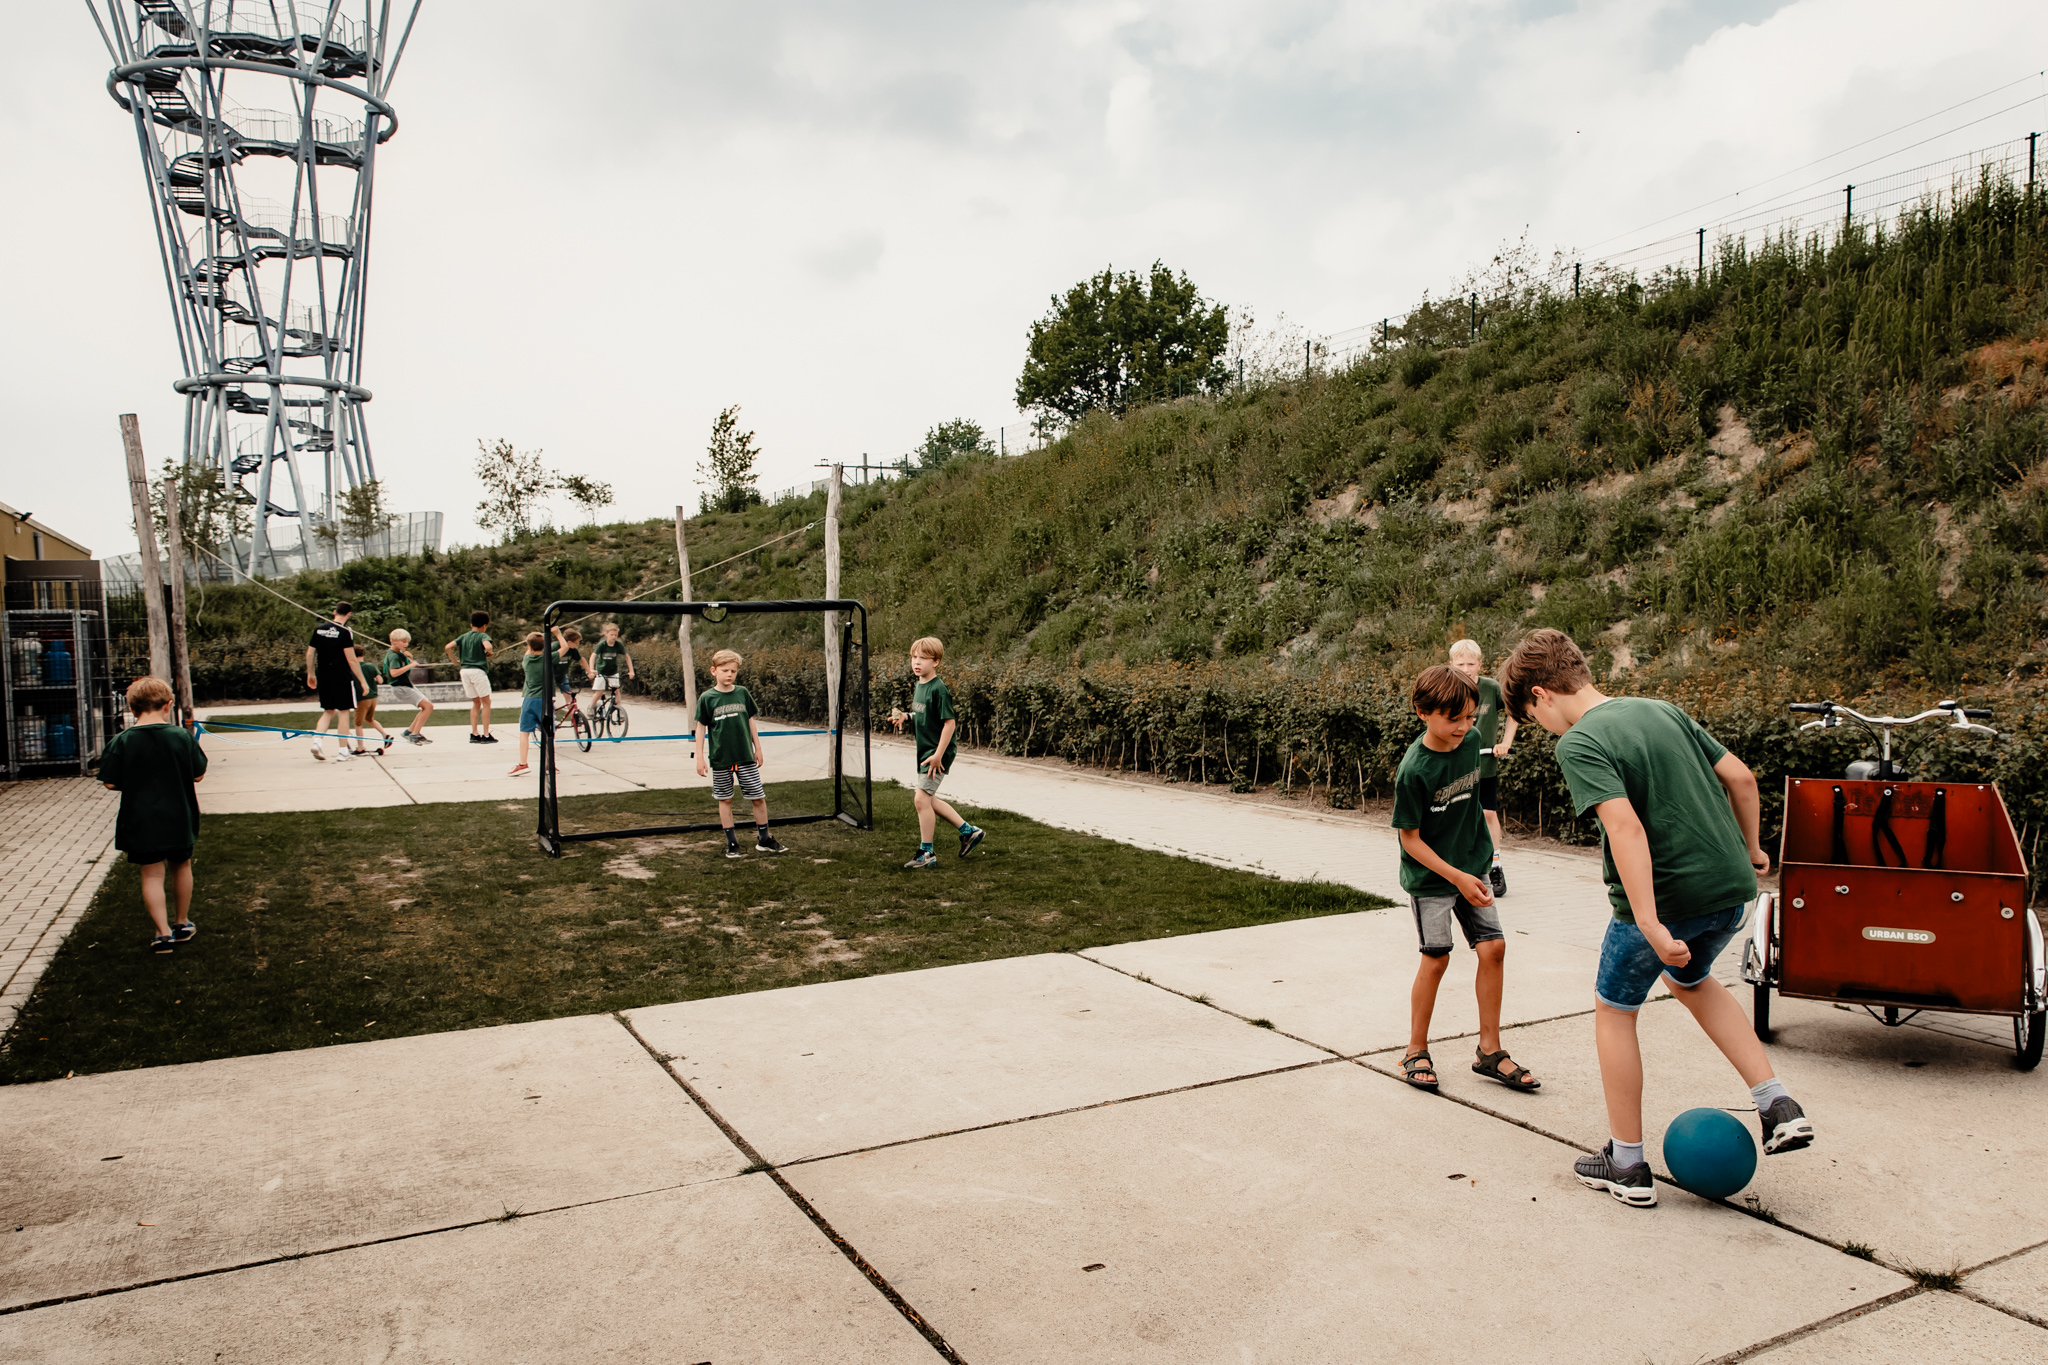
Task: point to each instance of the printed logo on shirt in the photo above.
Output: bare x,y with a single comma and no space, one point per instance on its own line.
723,712
1451,794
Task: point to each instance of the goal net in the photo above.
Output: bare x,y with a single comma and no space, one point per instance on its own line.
814,729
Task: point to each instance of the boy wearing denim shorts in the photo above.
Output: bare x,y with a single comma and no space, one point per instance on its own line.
932,724
1444,850
154,765
728,746
1678,818
535,709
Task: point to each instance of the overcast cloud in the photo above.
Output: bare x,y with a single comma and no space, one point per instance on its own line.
600,223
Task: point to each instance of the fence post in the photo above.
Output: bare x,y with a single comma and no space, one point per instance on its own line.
1304,360
1703,256
832,493
1575,279
1472,328
145,540
2032,138
174,545
1848,208
683,630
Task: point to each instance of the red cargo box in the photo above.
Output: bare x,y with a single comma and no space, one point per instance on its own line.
1855,925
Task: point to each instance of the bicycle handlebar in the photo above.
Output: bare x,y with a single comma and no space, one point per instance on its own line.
1831,712
1816,707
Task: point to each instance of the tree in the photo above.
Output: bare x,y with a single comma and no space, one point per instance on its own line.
1117,340
588,494
517,484
360,516
948,441
209,512
728,466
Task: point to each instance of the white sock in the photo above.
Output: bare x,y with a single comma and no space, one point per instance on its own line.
1769,1093
1627,1154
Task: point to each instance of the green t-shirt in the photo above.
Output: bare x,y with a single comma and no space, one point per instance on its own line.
724,716
1661,760
469,649
155,767
393,661
370,680
1438,794
1486,722
931,706
531,662
604,657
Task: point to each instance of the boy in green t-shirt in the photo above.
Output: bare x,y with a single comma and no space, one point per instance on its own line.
1496,733
604,660
400,671
1444,845
933,723
471,653
1678,818
728,748
535,710
154,765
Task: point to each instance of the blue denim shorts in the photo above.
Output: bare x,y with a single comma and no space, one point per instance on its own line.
1629,966
533,713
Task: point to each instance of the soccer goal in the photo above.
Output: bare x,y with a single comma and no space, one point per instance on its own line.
846,759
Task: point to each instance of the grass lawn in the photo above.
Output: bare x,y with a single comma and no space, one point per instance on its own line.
321,927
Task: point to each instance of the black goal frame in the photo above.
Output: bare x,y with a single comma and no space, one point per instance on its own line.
853,663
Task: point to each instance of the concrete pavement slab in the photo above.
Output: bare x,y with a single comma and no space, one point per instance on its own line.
1342,981
728,1272
133,1175
848,1064
2020,1284
1930,1147
1917,1331
1322,1214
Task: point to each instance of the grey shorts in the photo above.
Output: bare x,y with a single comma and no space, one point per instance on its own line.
1433,916
749,775
404,696
928,784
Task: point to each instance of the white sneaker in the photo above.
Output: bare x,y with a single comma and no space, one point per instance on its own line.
319,752
343,756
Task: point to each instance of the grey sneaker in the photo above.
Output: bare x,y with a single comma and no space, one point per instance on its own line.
1632,1185
925,858
971,840
184,933
1786,1127
1499,880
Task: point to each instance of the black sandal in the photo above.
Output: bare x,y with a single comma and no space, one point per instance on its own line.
1488,1065
1413,1065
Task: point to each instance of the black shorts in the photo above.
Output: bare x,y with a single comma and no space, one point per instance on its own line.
176,857
338,694
1489,792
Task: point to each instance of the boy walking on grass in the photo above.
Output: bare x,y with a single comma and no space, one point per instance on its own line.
471,653
1678,819
335,671
933,723
1444,848
1493,747
400,669
728,747
154,765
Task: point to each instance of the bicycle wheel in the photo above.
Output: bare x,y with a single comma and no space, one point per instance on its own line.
616,714
597,718
581,729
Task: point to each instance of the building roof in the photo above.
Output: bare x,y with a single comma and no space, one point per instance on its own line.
29,521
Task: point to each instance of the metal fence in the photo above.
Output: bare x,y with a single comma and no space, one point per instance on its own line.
1009,440
409,534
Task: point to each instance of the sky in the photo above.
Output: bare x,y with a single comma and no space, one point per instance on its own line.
601,223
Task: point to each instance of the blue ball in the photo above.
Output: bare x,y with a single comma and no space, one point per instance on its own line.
1709,1152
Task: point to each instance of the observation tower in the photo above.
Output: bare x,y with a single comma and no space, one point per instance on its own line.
259,123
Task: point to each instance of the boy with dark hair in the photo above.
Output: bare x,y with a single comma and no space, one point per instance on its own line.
471,653
933,724
335,671
366,713
1678,818
154,765
728,748
1444,848
535,709
568,657
1489,723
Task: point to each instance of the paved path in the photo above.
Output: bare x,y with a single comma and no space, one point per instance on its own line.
56,846
1190,1149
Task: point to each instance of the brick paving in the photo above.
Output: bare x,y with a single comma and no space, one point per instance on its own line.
57,843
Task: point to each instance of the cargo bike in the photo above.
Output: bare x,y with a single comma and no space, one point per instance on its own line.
1900,896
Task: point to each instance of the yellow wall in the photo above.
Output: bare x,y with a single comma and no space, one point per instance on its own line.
18,533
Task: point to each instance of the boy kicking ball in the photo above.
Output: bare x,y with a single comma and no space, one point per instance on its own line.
728,745
154,764
933,723
1493,747
1444,847
1679,818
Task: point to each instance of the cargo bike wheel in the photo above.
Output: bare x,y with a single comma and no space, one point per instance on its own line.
2030,1028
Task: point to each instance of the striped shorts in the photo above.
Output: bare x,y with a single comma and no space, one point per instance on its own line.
749,775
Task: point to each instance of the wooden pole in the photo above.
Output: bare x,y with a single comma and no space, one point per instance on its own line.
181,664
683,630
832,495
145,540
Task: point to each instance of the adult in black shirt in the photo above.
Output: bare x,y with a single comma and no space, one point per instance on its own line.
335,671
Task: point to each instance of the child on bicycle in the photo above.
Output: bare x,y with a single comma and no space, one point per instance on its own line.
568,657
605,657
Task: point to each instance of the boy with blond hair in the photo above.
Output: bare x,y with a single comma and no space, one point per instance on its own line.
1678,820
933,724
728,746
1495,739
154,765
1443,853
401,671
604,660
